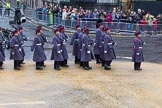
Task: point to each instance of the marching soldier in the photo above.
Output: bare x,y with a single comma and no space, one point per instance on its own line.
63,38
16,52
80,46
102,47
108,48
86,51
39,54
137,57
56,51
97,46
75,43
63,32
2,54
22,39
44,39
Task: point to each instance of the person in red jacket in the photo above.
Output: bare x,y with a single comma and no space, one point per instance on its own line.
109,19
143,24
155,26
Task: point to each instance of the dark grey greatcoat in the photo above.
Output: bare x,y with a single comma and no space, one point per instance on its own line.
97,46
22,39
137,50
102,46
86,51
108,53
56,51
63,40
80,44
2,54
37,47
75,43
16,52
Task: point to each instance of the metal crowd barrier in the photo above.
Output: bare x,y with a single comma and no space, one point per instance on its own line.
121,25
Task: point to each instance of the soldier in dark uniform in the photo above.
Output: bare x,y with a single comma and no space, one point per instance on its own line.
80,45
16,52
44,39
63,38
137,57
2,54
63,32
39,54
56,51
75,43
22,39
102,47
86,50
97,46
108,46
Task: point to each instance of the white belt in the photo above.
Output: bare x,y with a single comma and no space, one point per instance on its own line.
64,43
16,45
39,44
102,42
109,43
140,47
76,39
58,44
83,44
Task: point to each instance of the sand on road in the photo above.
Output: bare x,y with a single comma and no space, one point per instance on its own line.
73,87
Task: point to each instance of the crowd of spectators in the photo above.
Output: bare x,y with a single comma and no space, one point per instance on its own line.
130,16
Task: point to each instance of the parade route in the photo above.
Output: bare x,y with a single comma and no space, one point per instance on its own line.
73,87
